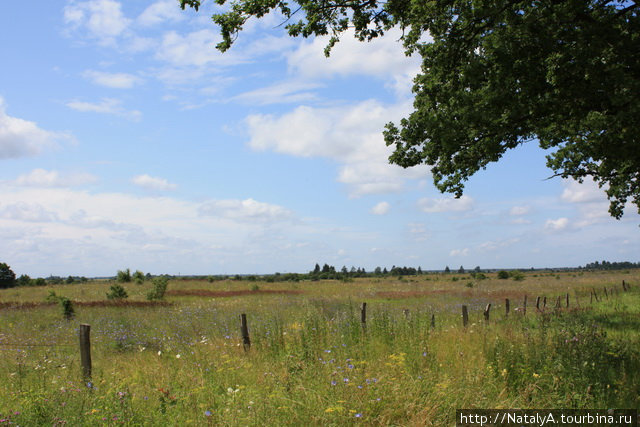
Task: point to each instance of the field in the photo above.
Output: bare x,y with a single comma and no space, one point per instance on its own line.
311,360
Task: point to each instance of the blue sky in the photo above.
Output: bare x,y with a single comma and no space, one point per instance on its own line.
127,140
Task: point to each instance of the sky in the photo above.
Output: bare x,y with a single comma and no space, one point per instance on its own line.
128,141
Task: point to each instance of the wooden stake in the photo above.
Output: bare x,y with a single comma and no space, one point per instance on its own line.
465,316
524,306
486,312
244,329
433,321
567,300
506,307
85,350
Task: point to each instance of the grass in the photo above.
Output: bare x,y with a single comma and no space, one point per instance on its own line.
310,361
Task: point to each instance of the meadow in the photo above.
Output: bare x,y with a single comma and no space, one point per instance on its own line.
311,361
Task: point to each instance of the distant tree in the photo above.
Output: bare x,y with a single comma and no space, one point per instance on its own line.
447,270
477,269
117,292
461,270
123,276
316,269
502,274
70,280
23,280
344,269
138,277
385,271
7,276
39,282
377,271
159,288
419,270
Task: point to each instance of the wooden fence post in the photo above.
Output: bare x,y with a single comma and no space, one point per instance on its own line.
524,306
544,303
538,303
624,286
465,316
433,321
595,294
85,350
363,315
244,329
567,300
558,305
486,312
506,307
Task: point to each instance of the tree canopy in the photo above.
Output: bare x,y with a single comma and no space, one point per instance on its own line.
497,74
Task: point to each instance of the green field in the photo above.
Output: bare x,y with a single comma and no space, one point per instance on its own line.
311,361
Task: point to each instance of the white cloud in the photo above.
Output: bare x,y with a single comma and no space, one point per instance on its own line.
106,106
101,19
586,192
112,80
381,208
418,231
28,212
459,252
245,210
160,12
556,224
279,93
21,138
349,135
519,210
450,204
44,178
153,183
383,58
195,49
493,245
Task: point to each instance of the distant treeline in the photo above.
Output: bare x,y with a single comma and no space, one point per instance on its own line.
606,265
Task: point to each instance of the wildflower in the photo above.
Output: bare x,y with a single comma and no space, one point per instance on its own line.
358,415
333,383
89,384
207,413
346,380
159,353
177,356
536,375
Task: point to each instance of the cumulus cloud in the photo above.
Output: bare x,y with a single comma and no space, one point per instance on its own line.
279,93
102,20
519,210
382,58
449,204
381,208
28,212
112,80
153,183
45,178
22,138
459,252
245,210
106,106
196,48
161,12
556,224
349,135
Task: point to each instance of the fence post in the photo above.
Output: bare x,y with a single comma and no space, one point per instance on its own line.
544,303
567,300
85,350
486,312
524,306
465,316
624,286
538,303
433,321
244,329
363,315
506,307
595,294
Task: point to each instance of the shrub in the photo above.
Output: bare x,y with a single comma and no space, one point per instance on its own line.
123,276
7,276
23,280
39,282
65,304
116,291
159,288
138,277
502,274
517,275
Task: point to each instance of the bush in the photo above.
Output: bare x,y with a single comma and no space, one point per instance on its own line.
39,282
138,277
65,304
23,280
517,275
7,276
123,276
503,274
116,291
159,288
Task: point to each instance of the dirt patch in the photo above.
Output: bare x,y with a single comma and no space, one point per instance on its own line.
210,293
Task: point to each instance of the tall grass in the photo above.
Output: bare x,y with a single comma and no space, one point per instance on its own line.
312,362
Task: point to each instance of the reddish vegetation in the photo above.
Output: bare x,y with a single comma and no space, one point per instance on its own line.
467,293
209,293
105,303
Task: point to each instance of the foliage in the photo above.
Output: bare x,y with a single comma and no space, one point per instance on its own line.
7,276
23,280
123,276
159,287
138,277
116,291
66,305
495,75
502,274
